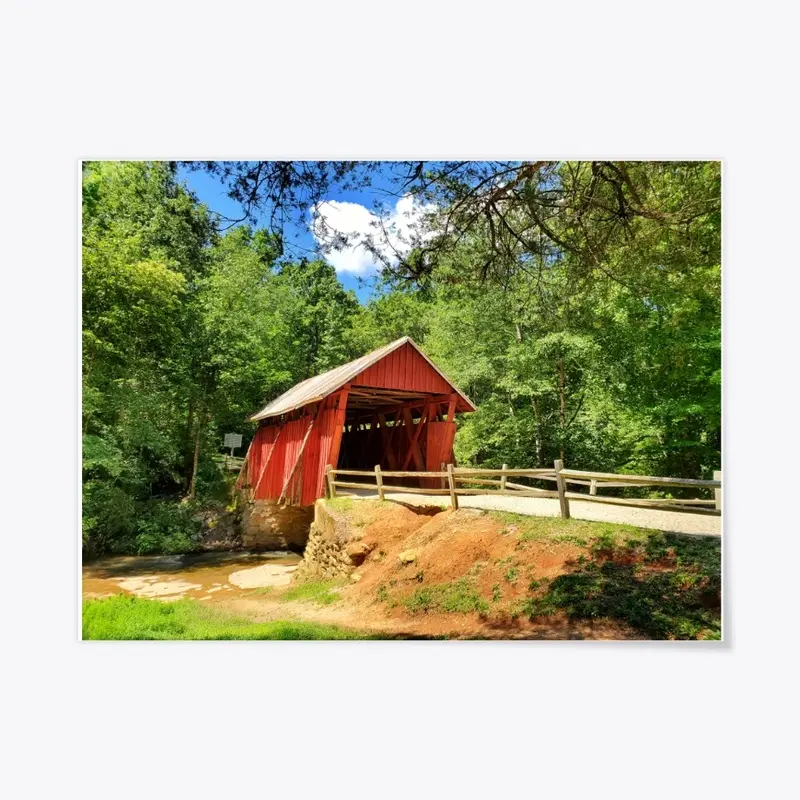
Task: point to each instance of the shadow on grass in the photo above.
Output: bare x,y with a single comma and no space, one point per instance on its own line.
667,587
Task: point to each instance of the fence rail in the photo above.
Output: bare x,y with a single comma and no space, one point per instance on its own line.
451,481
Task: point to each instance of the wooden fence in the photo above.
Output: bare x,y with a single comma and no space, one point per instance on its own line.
457,482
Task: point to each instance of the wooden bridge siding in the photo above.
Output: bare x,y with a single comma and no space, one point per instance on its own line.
318,452
260,449
309,474
439,448
403,369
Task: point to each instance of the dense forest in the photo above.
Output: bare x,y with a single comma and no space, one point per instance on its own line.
577,304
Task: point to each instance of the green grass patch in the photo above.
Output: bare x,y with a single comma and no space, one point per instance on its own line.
124,617
322,592
459,597
343,504
575,531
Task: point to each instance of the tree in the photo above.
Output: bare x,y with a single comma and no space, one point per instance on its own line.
321,312
145,241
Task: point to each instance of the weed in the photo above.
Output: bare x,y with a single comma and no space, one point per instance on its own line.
460,597
496,595
511,574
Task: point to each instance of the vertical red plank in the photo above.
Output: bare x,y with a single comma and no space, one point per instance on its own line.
338,431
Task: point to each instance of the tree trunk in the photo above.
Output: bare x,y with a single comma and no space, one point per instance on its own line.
537,438
189,448
562,405
196,459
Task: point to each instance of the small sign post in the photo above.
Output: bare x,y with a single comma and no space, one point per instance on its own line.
232,440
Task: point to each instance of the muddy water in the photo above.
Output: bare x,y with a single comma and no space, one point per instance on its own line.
202,576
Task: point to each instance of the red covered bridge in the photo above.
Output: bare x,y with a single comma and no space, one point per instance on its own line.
391,407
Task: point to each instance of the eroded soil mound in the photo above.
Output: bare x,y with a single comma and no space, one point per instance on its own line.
475,573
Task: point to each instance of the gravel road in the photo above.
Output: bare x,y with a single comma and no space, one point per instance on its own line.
669,521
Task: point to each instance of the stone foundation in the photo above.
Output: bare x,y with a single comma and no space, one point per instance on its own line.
267,526
334,546
221,530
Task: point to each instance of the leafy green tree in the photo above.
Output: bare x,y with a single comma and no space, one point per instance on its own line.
322,312
145,243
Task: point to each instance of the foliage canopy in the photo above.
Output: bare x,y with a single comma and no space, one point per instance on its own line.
577,303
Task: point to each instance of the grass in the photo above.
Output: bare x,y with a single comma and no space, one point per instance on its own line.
343,504
666,586
461,597
346,505
124,617
567,531
322,592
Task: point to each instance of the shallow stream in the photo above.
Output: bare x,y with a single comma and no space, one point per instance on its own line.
202,576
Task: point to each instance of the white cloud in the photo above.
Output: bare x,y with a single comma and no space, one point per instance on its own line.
346,232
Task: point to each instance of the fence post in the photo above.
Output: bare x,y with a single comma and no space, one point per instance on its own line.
379,481
443,468
718,492
562,488
503,479
331,487
452,485
593,486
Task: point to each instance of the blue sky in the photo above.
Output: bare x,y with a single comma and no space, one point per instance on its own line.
345,210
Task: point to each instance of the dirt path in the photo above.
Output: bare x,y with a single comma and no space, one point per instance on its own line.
373,619
668,521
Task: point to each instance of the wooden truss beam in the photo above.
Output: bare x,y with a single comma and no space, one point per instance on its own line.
411,404
413,448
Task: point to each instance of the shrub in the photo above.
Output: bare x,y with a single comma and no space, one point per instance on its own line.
166,527
109,517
